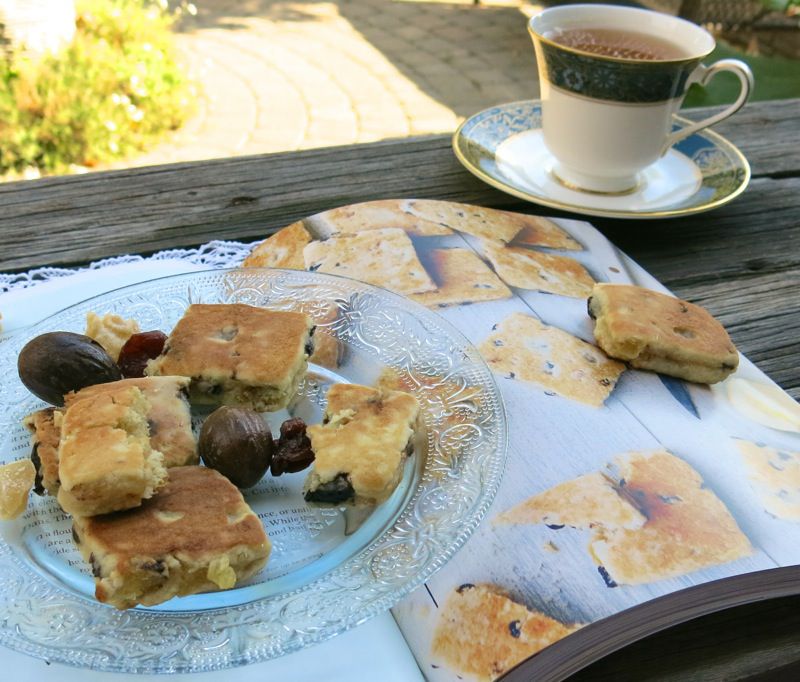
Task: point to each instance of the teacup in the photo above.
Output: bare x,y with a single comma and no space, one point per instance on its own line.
607,116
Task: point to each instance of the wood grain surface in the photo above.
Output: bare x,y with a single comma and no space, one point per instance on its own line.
741,261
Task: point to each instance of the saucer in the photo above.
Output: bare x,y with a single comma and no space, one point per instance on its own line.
504,147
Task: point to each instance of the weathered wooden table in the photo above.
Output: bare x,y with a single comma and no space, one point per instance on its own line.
741,261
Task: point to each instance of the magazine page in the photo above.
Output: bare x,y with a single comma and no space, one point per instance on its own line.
621,485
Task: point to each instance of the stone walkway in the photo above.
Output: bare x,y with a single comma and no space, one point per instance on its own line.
281,76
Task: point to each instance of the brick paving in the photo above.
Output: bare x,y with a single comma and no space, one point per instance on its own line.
281,76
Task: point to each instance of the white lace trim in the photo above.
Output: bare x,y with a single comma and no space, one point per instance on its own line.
213,255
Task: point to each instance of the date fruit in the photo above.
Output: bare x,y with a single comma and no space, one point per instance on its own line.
237,443
53,364
138,350
293,452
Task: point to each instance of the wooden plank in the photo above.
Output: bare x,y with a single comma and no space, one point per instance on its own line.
68,220
758,233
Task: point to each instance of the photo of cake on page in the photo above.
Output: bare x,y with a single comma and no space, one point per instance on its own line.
629,476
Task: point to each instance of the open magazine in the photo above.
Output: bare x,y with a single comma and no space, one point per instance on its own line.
630,500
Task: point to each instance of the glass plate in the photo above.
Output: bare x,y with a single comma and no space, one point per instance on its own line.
329,569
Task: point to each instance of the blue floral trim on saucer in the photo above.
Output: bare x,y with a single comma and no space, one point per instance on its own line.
724,170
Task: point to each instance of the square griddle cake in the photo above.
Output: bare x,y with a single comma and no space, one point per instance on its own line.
363,440
238,354
105,461
196,535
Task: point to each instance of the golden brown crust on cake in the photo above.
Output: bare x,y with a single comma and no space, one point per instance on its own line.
105,459
364,436
238,354
196,534
661,333
45,428
169,418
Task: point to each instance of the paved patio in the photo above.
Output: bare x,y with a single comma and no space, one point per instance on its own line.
280,76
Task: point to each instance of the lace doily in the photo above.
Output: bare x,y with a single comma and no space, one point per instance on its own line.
213,255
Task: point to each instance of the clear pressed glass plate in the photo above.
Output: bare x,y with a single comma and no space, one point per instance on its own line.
330,569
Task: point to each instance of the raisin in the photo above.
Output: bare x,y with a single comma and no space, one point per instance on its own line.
513,628
309,349
97,571
607,579
38,488
340,489
466,586
293,451
157,566
138,350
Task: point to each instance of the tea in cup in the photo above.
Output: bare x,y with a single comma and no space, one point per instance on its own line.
611,79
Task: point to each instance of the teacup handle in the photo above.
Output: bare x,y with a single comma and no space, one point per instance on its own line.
702,75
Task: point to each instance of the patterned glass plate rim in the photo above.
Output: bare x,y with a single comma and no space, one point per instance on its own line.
461,474
725,171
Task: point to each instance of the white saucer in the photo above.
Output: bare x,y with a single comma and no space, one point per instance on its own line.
504,147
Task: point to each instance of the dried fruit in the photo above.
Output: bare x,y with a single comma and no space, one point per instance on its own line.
16,481
53,364
338,490
138,350
237,443
293,451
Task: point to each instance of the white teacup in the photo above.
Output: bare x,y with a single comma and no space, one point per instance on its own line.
605,118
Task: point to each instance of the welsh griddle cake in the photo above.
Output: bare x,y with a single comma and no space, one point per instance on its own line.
238,354
105,461
361,444
196,535
168,416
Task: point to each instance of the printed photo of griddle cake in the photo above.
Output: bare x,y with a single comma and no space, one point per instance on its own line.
664,523
523,348
775,476
397,244
482,632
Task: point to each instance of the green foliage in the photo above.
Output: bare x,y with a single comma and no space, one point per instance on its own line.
775,77
112,92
